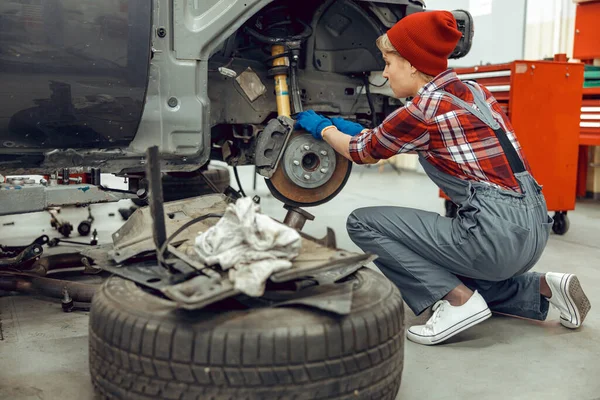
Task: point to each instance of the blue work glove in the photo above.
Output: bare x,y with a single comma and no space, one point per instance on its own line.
347,127
312,122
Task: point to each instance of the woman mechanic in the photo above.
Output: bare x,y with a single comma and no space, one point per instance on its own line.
468,266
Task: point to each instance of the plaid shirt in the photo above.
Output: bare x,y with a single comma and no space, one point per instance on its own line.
452,139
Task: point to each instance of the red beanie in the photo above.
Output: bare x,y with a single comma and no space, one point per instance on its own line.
426,39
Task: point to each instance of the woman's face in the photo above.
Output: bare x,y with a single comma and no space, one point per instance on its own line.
401,76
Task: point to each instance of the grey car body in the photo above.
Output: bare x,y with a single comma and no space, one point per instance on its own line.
94,84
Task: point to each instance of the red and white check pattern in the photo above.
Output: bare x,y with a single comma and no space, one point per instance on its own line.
452,139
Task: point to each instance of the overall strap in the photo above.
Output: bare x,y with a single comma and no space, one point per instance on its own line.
484,113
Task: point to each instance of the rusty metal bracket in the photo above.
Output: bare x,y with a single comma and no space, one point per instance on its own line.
13,251
31,253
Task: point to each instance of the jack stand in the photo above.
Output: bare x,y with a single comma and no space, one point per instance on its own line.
297,217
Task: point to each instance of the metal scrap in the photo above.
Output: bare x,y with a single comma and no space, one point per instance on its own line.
200,292
198,286
134,237
332,298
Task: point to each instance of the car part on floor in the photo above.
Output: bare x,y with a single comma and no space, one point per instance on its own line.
177,227
69,305
134,238
81,292
59,263
13,251
85,227
27,256
22,257
310,172
127,212
63,227
134,241
141,347
93,242
25,198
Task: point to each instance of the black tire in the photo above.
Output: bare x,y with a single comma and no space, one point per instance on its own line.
141,348
179,186
84,228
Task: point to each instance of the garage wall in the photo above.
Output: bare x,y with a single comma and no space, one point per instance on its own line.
550,28
499,35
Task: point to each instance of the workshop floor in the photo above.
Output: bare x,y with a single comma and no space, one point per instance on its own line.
43,351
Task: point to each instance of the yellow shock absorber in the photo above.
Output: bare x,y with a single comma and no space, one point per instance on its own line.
281,85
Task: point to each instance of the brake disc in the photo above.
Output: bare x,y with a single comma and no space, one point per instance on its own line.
309,173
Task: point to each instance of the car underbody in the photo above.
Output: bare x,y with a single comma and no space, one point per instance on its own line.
198,79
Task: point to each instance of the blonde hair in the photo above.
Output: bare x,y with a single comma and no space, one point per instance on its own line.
384,44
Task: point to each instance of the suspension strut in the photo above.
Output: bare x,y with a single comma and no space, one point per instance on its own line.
284,36
280,68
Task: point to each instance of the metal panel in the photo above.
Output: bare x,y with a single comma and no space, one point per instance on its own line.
201,26
73,74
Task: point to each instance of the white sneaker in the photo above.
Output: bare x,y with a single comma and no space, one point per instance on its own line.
448,320
569,298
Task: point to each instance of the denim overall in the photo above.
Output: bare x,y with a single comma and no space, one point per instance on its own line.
497,236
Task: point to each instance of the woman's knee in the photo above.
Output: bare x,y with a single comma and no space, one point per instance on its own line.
357,221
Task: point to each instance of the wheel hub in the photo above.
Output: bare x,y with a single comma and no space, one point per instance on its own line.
309,163
309,173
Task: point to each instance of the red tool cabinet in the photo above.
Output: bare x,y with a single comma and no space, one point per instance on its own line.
586,47
543,101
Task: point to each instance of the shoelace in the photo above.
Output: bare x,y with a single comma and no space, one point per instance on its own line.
438,309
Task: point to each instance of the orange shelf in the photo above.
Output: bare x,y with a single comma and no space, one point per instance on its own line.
589,137
591,91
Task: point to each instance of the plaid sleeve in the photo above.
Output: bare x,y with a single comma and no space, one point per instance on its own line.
403,131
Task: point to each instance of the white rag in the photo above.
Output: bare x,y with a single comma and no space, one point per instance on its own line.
250,245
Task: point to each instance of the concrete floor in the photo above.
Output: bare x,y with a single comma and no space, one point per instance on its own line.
43,351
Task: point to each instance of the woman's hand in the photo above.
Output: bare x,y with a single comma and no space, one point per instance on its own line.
347,127
313,123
